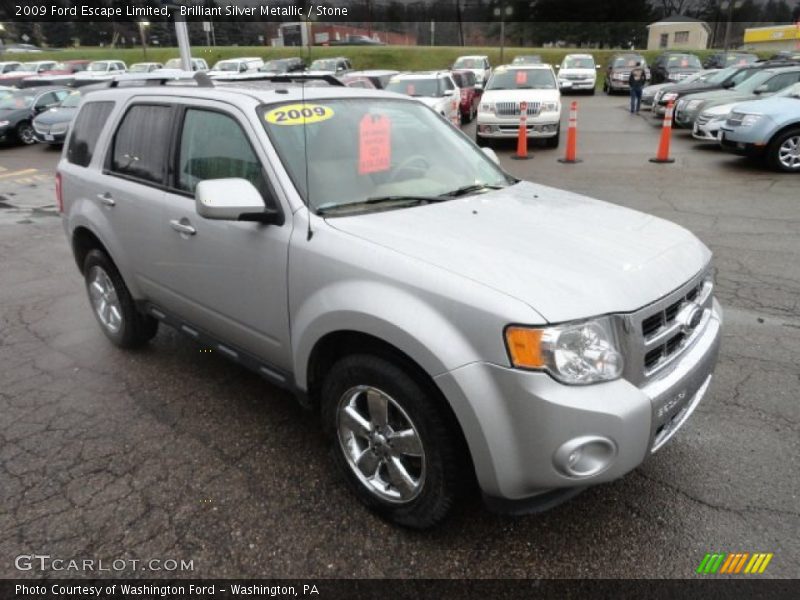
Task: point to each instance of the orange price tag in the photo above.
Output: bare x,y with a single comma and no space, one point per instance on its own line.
410,90
522,77
374,144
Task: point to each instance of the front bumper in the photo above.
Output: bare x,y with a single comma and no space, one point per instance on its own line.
745,143
491,126
707,131
49,138
518,423
618,84
577,84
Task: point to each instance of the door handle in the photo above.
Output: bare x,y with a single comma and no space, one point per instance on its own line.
184,228
106,199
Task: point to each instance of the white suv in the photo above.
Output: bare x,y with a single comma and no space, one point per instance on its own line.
577,72
499,110
435,88
234,66
100,70
477,64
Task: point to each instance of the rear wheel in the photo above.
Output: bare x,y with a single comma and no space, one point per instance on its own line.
390,440
113,305
783,152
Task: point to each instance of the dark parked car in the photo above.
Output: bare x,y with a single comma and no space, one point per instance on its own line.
720,60
619,69
718,80
18,109
379,77
793,55
675,66
527,59
283,65
470,95
50,126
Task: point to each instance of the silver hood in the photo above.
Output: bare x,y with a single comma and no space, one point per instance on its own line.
565,255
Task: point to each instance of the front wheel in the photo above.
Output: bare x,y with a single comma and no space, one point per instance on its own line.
391,440
25,134
783,152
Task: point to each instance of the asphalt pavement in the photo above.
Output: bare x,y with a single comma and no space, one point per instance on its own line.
172,453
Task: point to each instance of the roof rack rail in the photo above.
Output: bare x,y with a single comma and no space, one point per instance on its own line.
280,78
199,77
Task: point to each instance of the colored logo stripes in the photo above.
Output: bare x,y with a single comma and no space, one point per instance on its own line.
734,563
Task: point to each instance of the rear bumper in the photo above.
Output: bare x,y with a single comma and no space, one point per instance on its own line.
519,424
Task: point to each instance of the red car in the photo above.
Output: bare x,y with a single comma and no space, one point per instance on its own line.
357,81
470,95
61,74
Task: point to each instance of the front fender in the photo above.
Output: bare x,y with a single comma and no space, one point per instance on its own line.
393,315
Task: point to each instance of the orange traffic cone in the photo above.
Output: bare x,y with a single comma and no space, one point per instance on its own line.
666,135
572,136
522,138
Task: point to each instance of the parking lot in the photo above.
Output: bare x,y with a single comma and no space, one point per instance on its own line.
175,453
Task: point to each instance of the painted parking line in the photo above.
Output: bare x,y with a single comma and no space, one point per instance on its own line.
21,173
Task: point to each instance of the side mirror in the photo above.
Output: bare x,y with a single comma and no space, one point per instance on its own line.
727,85
492,155
762,89
233,199
448,92
598,67
242,68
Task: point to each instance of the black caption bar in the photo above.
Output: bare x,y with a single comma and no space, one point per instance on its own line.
394,589
360,11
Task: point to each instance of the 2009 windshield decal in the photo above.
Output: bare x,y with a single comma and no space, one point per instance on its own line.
298,114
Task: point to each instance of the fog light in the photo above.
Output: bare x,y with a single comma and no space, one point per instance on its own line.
585,456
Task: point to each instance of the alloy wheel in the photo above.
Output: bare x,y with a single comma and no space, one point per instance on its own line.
104,299
789,153
381,444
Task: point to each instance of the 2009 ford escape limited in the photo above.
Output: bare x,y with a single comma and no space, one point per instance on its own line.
448,322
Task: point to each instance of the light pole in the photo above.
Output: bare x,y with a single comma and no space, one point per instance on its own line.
503,12
2,44
143,25
731,5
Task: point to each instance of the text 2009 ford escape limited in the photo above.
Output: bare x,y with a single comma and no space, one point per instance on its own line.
445,320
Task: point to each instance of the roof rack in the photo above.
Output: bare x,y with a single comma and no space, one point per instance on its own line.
199,77
280,78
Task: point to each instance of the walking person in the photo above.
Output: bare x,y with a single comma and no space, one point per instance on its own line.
636,81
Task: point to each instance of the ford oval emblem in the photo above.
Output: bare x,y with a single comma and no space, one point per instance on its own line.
689,317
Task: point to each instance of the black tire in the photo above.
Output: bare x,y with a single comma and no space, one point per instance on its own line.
773,151
591,92
25,133
443,463
135,329
482,142
553,142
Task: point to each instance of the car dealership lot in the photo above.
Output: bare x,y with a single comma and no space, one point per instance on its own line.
173,452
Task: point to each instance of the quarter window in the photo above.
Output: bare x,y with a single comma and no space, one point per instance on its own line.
141,144
85,131
214,146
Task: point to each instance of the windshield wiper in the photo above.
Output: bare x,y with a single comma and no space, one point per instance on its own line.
468,189
404,199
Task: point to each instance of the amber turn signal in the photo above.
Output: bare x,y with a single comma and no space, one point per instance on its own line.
524,347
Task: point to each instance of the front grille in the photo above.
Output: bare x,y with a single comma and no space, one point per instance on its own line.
702,119
511,109
657,334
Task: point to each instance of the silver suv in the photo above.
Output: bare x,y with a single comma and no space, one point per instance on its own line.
448,322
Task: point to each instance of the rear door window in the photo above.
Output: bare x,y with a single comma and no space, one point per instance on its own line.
142,143
85,130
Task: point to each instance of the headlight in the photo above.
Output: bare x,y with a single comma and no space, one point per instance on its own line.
669,96
550,106
693,104
487,107
750,120
575,354
5,123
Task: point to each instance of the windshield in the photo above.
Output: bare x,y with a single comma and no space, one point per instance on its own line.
71,101
468,63
416,87
360,149
27,68
751,83
275,65
740,59
521,79
323,65
628,61
98,66
533,59
141,68
173,63
226,65
683,61
572,62
17,101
